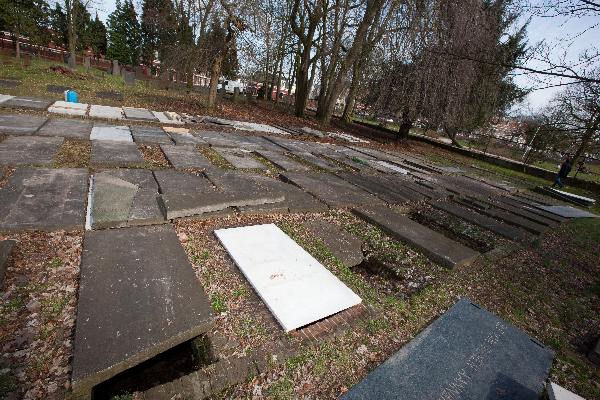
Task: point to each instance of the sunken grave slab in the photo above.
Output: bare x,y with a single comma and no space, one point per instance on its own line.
106,112
27,102
57,89
29,150
109,95
568,212
330,189
467,353
380,187
185,157
344,245
281,161
140,114
9,83
183,136
67,128
435,246
138,297
4,97
20,124
115,153
44,199
168,117
239,159
505,216
111,133
6,247
150,134
68,108
566,196
296,288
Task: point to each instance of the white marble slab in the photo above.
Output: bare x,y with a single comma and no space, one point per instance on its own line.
575,196
111,133
293,284
556,392
5,97
568,212
67,108
105,112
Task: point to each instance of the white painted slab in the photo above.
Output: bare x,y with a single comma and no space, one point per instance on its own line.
293,284
556,392
67,108
568,212
4,97
111,133
106,112
587,199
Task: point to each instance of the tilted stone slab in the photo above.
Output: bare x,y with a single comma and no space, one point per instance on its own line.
32,103
4,97
68,108
568,212
566,196
168,117
183,136
150,134
185,157
344,245
140,114
435,246
67,128
317,161
330,189
281,161
378,186
112,199
44,199
467,353
106,112
504,230
20,124
239,159
506,216
520,211
29,150
109,153
138,297
531,207
111,133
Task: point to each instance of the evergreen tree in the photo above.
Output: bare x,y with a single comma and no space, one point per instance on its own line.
25,18
97,37
157,28
58,24
231,65
82,24
123,34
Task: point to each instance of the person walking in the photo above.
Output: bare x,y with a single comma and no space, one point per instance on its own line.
565,168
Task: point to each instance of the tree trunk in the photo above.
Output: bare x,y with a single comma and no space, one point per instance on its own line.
71,33
350,100
215,71
302,83
405,128
587,137
17,46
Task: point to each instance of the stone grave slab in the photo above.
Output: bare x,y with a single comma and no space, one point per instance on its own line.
44,199
9,83
378,186
505,216
330,189
566,196
530,207
296,288
112,95
239,159
67,108
568,212
434,245
111,153
254,127
111,133
29,150
106,112
344,245
5,97
140,114
185,156
391,167
281,161
432,194
20,124
6,247
57,89
150,134
504,230
67,128
520,211
451,170
125,197
138,297
557,392
183,136
467,353
27,102
168,117
317,161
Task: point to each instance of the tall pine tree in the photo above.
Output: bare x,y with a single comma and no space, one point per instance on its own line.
124,34
98,37
157,28
25,18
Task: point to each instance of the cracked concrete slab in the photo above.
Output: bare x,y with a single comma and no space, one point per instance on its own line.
29,150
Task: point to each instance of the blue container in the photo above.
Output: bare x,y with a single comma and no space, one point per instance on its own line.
71,96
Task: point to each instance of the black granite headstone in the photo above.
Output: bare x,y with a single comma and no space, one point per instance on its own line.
467,353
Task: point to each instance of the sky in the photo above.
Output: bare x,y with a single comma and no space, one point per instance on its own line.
549,30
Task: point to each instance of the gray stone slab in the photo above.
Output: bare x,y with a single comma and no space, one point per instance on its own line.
330,189
150,134
6,247
380,187
109,95
140,114
112,199
186,156
504,230
107,112
111,133
29,150
143,178
566,196
467,353
20,124
239,159
343,245
44,199
506,216
282,161
115,153
9,83
520,211
530,207
435,246
138,297
568,212
57,89
67,128
27,102
317,161
147,208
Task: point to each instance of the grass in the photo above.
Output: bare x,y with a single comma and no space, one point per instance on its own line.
218,303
